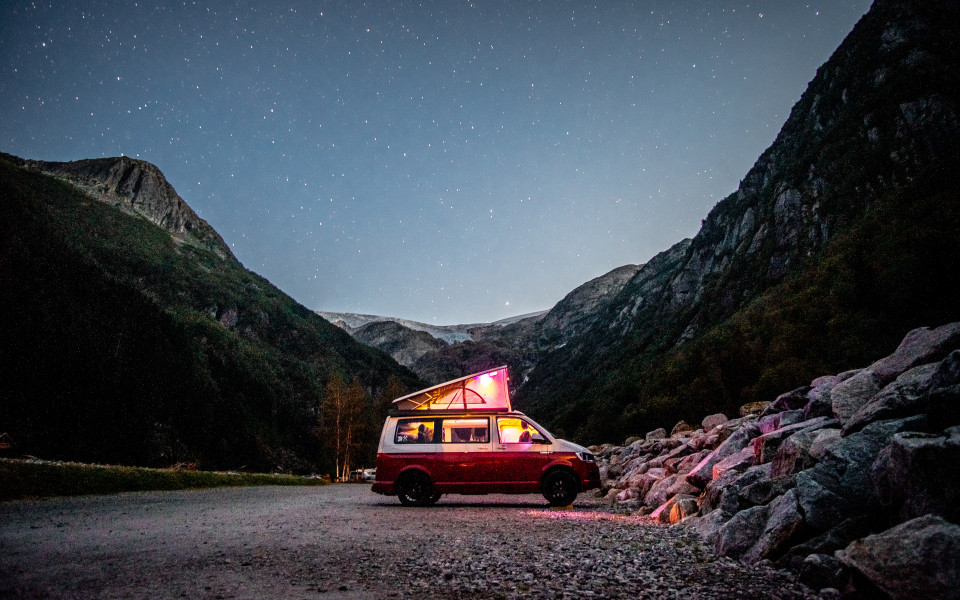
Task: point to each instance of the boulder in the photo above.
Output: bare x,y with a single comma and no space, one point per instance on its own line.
641,484
683,508
687,463
819,402
675,509
848,396
732,497
838,537
824,438
775,421
916,559
737,462
920,346
839,484
904,397
794,454
711,496
783,521
711,421
656,434
738,535
819,571
943,400
765,490
765,446
681,427
667,488
708,526
753,408
703,472
919,474
789,401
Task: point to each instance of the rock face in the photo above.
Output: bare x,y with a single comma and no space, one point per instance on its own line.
138,187
804,490
403,344
476,347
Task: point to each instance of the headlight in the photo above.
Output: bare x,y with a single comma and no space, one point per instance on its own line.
586,456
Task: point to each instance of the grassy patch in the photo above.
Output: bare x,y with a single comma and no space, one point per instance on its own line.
32,479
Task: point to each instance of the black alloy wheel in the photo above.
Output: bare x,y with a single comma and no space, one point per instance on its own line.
560,488
415,489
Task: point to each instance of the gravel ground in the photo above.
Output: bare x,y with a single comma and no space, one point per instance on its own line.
345,542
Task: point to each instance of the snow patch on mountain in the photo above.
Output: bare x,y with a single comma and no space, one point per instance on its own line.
447,333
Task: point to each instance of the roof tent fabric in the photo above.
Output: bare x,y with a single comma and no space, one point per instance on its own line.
484,390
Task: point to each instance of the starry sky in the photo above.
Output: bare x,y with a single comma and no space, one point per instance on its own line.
442,161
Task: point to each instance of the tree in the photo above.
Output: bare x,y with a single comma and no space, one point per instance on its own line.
341,427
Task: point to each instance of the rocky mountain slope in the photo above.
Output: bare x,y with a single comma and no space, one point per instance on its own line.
133,336
836,243
442,353
851,481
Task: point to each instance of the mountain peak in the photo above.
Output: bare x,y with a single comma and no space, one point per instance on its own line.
137,187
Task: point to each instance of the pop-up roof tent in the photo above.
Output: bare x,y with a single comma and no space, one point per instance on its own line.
486,390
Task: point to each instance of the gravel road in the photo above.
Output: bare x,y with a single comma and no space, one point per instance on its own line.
343,542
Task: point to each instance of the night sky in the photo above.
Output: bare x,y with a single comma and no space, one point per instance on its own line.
448,162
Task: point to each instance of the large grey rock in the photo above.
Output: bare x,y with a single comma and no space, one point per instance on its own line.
824,438
711,421
684,507
733,496
687,463
794,454
848,396
738,440
656,434
788,401
919,474
839,485
724,483
765,446
738,535
737,462
920,346
765,490
708,526
904,397
675,509
774,421
783,521
943,400
916,559
838,537
667,488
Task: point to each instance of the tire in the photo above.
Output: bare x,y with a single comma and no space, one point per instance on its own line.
560,488
415,489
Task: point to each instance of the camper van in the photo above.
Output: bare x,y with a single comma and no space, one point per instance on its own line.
463,437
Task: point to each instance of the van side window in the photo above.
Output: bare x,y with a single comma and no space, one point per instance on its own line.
466,431
513,430
414,431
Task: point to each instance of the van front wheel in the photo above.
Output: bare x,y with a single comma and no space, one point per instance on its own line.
560,488
415,489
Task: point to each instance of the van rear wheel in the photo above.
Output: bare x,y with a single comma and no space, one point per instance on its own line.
415,489
560,488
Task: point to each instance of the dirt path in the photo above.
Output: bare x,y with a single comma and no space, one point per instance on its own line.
342,542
